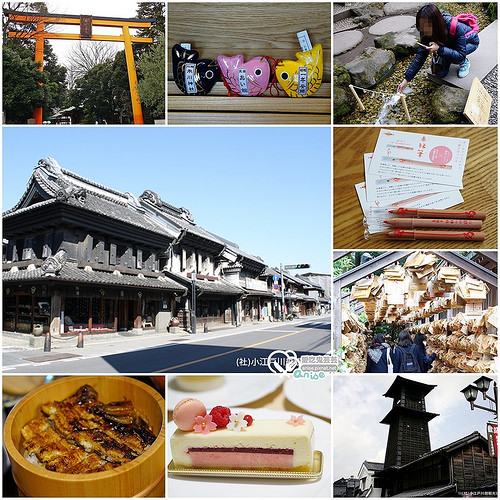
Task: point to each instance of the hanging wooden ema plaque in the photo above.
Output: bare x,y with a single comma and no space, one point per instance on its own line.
477,107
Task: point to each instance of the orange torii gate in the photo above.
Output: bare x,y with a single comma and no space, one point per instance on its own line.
86,23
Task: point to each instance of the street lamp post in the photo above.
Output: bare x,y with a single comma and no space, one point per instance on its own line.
482,385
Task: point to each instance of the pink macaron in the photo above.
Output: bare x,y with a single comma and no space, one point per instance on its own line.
186,411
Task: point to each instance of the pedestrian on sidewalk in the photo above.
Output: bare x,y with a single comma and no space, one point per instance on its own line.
379,356
448,40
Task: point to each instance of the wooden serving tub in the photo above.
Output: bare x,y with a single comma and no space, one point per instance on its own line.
144,476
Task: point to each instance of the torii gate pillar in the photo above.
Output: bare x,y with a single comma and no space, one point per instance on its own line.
40,35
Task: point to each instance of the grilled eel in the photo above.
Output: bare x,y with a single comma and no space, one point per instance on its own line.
81,434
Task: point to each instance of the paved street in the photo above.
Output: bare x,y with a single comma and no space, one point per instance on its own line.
232,350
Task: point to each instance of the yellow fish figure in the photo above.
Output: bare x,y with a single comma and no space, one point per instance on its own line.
302,77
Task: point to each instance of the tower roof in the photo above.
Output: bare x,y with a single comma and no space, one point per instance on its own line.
397,411
399,382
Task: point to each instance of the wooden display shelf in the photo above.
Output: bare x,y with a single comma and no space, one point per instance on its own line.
251,29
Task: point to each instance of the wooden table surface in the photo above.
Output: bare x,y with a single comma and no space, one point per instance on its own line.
479,192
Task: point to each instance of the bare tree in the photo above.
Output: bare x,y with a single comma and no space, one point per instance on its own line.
86,55
21,8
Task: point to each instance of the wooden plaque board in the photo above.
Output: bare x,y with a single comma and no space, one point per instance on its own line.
477,107
85,27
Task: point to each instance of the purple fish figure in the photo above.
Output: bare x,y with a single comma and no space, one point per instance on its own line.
249,78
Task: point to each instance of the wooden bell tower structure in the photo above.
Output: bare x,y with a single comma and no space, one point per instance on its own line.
86,24
408,422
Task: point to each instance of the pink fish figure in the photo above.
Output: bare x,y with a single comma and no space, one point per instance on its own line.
249,78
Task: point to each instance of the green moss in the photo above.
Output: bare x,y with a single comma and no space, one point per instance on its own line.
492,11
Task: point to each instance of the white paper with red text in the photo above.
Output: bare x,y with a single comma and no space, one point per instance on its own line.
422,157
385,190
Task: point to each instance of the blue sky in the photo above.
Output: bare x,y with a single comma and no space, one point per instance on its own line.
265,188
359,406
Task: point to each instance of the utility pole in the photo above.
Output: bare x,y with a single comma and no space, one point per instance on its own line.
282,294
291,266
193,301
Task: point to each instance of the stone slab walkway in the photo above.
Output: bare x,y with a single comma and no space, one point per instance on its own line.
347,46
345,41
482,60
393,24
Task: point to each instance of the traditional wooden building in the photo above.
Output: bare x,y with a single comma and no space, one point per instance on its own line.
408,422
80,256
411,469
346,487
214,266
462,468
366,476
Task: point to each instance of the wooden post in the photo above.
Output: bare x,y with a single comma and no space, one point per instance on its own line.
357,98
138,314
405,107
115,326
55,314
132,78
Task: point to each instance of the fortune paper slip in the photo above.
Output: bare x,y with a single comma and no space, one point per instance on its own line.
422,157
387,189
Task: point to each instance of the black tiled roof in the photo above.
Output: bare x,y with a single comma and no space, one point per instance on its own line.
74,274
140,212
218,286
374,465
431,491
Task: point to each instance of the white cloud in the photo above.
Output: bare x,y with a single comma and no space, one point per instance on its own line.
359,406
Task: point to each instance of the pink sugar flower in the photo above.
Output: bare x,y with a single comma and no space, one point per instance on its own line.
296,421
204,424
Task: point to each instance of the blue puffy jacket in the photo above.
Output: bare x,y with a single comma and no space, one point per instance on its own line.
454,51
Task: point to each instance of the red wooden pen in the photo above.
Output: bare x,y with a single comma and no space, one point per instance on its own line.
436,235
444,214
412,223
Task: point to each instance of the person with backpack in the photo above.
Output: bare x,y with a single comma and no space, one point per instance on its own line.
419,341
448,39
378,356
408,357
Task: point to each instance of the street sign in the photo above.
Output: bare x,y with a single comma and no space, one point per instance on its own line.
276,278
492,432
297,266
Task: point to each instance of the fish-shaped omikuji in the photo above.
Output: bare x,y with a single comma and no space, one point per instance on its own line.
193,76
249,78
288,72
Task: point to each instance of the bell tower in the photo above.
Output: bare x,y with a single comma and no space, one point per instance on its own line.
408,422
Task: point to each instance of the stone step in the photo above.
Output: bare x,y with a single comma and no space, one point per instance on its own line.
345,25
482,60
341,11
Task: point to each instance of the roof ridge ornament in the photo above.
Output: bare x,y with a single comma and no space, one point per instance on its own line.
51,165
154,199
53,264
